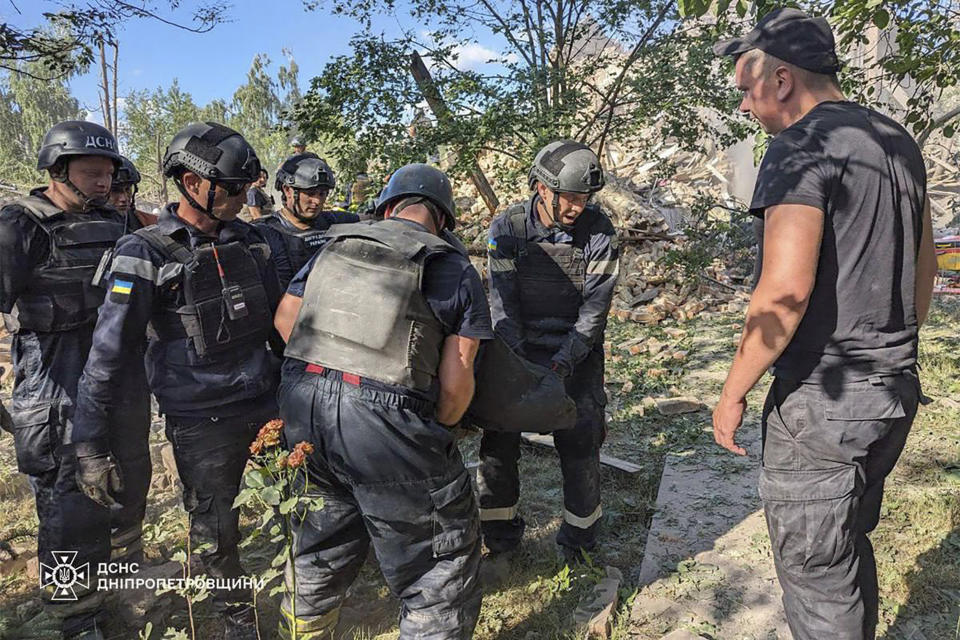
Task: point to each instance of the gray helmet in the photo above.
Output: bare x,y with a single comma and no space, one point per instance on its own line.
76,138
295,141
423,181
305,171
567,166
211,151
126,174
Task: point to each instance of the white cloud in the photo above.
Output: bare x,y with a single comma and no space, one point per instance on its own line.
472,56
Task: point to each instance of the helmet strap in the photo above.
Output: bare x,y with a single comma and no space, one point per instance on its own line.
295,209
59,173
211,194
555,215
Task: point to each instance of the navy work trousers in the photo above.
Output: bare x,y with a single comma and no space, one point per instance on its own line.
826,454
391,475
579,451
211,454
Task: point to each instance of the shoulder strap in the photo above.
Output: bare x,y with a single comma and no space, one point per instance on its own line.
517,215
39,209
170,248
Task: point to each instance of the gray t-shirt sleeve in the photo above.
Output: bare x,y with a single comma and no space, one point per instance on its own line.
790,174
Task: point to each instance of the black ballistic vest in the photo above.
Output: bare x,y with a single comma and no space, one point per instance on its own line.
198,310
61,295
301,243
363,308
551,278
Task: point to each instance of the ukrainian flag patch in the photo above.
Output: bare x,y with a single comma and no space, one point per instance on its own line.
120,291
491,245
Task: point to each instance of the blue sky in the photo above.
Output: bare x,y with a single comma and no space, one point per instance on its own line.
213,64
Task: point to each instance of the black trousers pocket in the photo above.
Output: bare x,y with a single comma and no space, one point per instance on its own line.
35,436
811,515
456,521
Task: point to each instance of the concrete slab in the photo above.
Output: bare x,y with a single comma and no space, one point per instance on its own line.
707,565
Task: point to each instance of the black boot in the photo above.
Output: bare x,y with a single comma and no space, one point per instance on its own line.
240,625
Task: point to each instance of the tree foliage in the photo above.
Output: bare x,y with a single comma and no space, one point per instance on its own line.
73,30
594,70
901,54
28,108
256,110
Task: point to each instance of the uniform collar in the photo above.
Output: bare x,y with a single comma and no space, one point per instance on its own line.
172,225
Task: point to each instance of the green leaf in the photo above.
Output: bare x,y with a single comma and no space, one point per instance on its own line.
244,497
254,478
742,8
288,505
271,496
279,560
881,18
948,132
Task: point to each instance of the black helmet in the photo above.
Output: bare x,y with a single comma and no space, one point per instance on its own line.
567,166
126,174
76,138
211,151
424,181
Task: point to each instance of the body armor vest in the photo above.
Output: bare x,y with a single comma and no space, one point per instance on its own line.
363,308
301,243
550,277
61,294
198,311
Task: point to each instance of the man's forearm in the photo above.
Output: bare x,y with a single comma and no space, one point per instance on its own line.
926,268
453,402
772,319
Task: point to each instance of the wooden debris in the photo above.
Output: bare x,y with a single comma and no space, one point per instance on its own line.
546,440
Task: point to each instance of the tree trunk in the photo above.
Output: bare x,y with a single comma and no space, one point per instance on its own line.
105,87
116,121
163,180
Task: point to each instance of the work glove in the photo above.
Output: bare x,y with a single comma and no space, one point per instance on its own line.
99,478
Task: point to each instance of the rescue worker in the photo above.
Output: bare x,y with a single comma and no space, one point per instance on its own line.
200,285
304,182
130,433
378,370
847,278
553,264
123,196
297,144
51,245
259,202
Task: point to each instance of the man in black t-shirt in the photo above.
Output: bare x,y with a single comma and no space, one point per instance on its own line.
848,267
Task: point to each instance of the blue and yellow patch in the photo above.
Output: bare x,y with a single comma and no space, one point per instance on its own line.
491,245
120,291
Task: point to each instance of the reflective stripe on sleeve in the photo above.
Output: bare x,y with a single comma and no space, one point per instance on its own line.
139,267
502,264
603,268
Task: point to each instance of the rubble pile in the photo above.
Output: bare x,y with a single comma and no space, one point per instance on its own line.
649,214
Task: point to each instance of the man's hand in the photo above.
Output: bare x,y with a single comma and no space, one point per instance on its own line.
98,477
727,418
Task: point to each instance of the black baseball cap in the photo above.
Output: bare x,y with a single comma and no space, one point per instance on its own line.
792,36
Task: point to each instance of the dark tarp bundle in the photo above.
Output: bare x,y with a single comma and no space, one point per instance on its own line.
513,394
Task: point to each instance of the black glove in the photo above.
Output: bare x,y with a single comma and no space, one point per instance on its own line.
98,477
